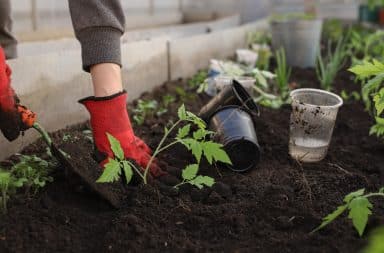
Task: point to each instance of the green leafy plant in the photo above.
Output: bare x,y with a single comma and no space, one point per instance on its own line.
283,73
195,141
190,176
8,187
376,242
372,91
34,171
354,95
198,79
366,45
183,95
118,165
359,209
258,37
144,109
333,29
328,66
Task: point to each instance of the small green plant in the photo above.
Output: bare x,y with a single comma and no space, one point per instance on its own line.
359,209
354,95
258,37
283,73
183,95
333,29
168,99
144,109
264,55
118,165
198,79
372,91
34,171
191,177
195,141
8,187
328,67
376,242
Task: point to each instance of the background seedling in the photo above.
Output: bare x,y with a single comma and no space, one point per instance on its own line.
359,209
372,91
8,186
34,171
144,109
376,242
198,79
328,66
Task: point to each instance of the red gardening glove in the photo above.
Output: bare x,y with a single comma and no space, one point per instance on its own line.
109,115
14,118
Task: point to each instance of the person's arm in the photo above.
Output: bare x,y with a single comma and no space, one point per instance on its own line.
99,25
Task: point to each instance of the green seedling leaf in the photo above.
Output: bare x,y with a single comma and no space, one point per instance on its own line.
214,152
190,172
194,146
378,128
353,195
368,69
359,211
376,242
196,120
127,171
379,101
184,131
111,172
331,217
381,190
200,134
116,147
201,181
181,113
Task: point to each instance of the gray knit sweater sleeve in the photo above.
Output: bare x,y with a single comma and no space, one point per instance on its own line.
99,25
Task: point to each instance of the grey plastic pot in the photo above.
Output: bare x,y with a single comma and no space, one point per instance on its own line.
300,40
235,129
233,94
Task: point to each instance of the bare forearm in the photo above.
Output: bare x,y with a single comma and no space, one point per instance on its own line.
99,25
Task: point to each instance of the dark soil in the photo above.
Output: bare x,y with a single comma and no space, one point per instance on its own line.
273,208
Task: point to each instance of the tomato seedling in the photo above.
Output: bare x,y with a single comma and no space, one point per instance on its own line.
359,209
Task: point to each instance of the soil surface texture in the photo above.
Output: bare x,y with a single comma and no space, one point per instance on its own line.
272,208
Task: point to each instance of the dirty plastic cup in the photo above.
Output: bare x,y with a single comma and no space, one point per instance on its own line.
235,130
312,121
233,94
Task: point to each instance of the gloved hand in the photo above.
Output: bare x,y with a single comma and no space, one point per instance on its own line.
109,115
14,118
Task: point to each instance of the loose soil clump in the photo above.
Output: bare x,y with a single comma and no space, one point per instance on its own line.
272,208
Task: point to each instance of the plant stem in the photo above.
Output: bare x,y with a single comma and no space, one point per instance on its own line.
43,133
168,146
264,94
157,151
180,184
377,194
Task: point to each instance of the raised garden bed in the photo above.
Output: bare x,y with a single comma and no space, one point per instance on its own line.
273,208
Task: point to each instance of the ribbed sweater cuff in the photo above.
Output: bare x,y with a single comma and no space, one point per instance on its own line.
100,45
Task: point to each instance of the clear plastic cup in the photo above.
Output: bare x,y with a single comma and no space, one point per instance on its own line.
313,118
